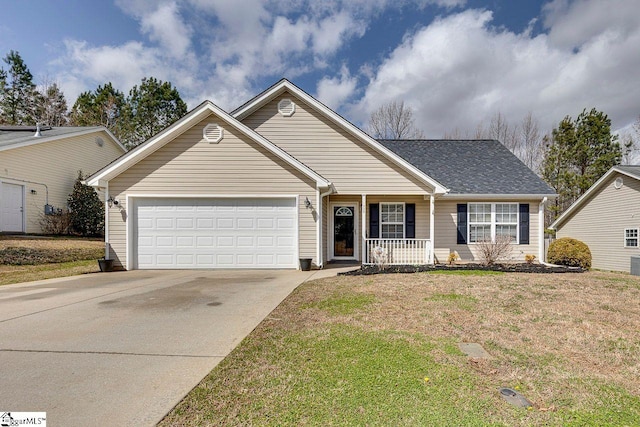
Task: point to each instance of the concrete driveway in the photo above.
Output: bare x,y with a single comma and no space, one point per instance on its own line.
123,348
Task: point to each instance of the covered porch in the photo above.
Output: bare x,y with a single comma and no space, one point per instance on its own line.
378,229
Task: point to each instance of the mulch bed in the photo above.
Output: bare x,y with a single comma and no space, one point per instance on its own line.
507,268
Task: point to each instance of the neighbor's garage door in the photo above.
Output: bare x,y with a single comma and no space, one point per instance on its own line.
216,233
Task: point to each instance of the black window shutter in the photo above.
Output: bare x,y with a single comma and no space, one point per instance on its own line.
462,223
524,223
374,220
410,223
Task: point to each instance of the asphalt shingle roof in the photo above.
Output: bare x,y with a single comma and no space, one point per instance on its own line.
470,166
631,170
16,137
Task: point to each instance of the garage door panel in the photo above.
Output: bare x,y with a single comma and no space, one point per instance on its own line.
216,233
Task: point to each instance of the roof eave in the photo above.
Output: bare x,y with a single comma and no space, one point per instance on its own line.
495,196
42,139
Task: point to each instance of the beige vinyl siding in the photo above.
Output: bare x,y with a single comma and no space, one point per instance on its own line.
446,229
190,165
56,164
351,165
601,221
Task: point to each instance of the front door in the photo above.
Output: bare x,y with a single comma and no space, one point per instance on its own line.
11,208
343,231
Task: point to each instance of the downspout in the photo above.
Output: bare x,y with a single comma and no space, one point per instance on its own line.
321,197
106,222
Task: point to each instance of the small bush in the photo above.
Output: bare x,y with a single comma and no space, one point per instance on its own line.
491,252
57,223
569,252
453,257
528,258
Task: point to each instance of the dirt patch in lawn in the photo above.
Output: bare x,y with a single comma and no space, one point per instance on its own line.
366,270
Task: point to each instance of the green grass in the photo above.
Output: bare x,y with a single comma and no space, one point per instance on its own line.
47,271
343,303
343,376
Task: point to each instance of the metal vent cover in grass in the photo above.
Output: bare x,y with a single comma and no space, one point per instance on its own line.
514,398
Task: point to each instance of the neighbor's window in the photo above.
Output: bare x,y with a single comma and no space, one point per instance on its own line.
392,220
630,237
488,220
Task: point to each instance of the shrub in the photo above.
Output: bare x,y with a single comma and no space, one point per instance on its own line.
528,258
492,251
569,252
453,257
57,223
85,209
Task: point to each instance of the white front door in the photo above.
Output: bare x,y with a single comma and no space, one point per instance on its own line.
216,233
12,208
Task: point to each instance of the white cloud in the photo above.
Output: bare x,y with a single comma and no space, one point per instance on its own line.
459,70
335,91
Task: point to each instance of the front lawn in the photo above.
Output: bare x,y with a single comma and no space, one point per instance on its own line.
383,350
29,258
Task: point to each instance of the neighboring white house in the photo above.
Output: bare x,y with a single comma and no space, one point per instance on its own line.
39,165
284,177
607,219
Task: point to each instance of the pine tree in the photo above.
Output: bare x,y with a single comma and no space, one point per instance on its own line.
579,153
18,96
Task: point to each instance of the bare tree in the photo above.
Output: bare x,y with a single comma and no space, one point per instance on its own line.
393,121
500,130
530,145
51,108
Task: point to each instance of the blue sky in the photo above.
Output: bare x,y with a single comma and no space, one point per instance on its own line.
456,63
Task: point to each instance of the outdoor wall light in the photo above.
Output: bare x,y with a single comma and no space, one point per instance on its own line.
113,202
307,203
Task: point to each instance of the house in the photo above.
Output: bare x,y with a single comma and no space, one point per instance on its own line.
283,177
607,218
39,165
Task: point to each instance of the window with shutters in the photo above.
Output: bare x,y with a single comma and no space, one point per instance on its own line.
392,220
488,220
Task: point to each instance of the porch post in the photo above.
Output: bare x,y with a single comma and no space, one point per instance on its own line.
541,242
432,228
363,231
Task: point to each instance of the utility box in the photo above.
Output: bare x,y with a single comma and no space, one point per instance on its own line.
48,210
635,265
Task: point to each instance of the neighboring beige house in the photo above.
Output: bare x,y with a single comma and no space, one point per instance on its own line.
284,177
607,219
39,165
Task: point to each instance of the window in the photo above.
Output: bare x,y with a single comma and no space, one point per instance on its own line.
630,237
488,220
392,220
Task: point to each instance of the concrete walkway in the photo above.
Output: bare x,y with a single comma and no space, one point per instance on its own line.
123,348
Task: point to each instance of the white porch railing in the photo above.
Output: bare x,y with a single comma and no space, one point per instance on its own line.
397,251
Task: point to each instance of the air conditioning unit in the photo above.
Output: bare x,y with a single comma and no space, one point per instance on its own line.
635,265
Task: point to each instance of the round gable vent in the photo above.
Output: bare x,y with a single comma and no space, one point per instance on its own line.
618,183
99,141
286,107
213,133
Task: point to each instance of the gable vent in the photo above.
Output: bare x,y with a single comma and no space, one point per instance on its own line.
286,107
99,141
213,133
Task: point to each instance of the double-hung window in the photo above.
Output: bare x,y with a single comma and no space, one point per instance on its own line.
490,220
630,237
392,220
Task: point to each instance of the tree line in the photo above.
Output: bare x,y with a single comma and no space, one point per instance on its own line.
146,110
570,159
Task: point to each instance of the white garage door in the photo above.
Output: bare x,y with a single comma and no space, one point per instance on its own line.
216,233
